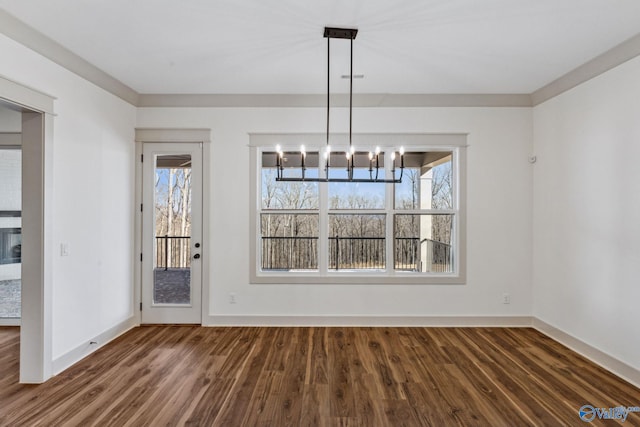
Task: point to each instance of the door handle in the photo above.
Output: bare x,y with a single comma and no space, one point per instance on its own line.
196,256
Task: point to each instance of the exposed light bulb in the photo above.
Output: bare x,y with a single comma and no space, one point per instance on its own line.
278,148
377,150
393,155
302,150
370,155
402,151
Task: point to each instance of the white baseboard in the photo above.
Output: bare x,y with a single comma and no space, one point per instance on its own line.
433,321
66,360
6,321
610,363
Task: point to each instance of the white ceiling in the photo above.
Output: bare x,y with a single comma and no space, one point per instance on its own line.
276,46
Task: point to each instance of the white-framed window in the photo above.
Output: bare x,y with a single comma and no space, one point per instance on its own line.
344,232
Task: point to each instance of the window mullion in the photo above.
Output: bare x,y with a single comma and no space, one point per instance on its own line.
427,211
455,239
356,245
388,205
323,225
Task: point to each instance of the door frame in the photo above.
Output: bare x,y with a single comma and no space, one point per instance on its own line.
36,361
173,135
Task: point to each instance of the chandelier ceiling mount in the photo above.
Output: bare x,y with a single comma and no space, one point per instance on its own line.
375,157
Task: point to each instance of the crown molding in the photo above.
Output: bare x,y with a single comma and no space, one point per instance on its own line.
618,55
337,100
38,42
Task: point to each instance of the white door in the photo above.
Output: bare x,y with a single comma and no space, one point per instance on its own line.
172,233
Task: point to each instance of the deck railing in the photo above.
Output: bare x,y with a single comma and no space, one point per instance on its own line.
289,253
345,253
414,254
355,253
173,252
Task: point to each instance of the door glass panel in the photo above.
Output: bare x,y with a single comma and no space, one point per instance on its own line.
172,204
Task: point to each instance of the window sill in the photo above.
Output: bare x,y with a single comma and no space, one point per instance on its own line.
359,279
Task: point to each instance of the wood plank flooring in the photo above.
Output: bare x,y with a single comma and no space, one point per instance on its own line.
188,375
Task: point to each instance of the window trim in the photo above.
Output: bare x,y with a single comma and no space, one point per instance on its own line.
455,142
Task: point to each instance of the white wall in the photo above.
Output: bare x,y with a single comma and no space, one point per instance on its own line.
93,176
499,212
587,212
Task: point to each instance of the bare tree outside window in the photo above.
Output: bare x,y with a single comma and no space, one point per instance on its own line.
289,240
357,215
423,241
173,216
357,195
357,241
288,195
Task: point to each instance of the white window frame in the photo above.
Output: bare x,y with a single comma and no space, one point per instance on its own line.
456,143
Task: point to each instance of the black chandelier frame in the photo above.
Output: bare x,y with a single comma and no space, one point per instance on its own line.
374,157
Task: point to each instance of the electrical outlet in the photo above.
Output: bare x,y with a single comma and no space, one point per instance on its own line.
506,298
232,298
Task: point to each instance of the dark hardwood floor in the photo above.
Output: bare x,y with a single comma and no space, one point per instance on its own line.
187,375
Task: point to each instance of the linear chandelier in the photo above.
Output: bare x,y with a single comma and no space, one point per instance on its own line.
353,158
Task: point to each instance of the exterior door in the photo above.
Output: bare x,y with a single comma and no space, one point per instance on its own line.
172,233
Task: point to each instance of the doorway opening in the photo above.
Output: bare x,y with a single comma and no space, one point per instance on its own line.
36,142
10,214
10,234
